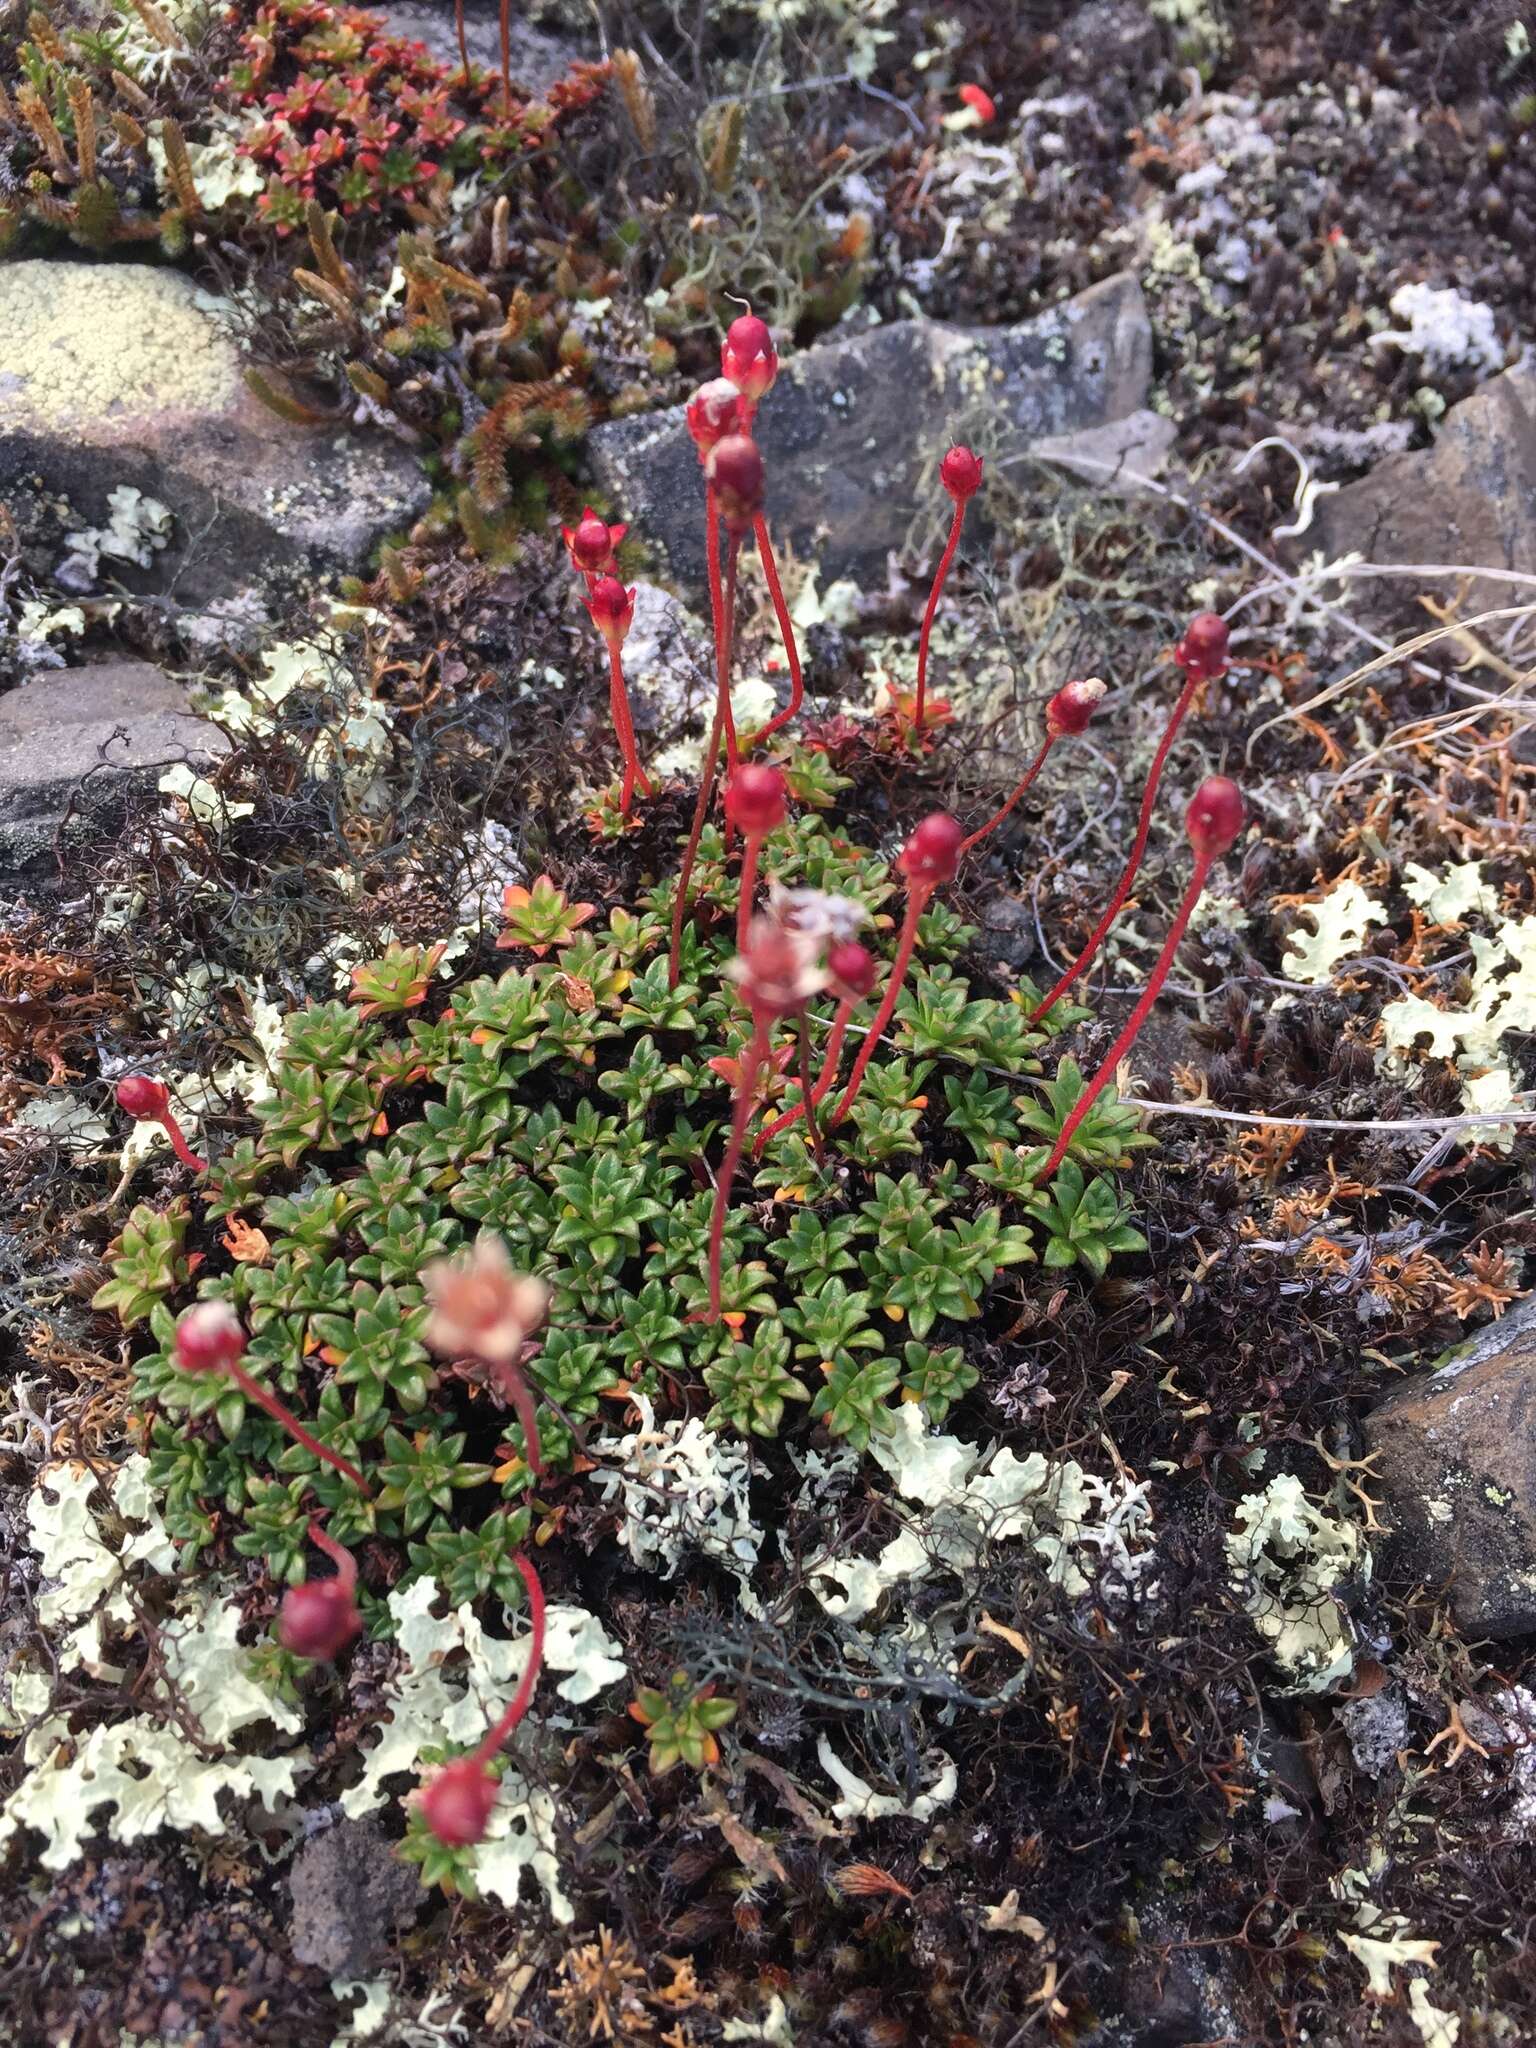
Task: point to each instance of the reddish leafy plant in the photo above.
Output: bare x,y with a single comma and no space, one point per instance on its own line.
1213,821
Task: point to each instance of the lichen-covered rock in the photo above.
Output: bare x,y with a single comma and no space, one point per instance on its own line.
853,430
350,1893
1455,1453
1470,498
114,374
68,740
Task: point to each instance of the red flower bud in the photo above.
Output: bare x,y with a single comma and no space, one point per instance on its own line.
1203,650
209,1338
981,103
932,854
755,799
141,1097
735,468
748,357
612,608
592,542
713,412
1072,706
960,474
852,968
1214,817
318,1619
458,1802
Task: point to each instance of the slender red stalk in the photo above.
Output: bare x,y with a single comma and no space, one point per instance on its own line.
506,58
517,1391
518,1705
807,1093
1023,783
1137,1018
786,633
340,1556
707,775
918,893
253,1390
717,613
751,846
149,1101
458,22
752,1058
624,727
832,1059
933,605
179,1145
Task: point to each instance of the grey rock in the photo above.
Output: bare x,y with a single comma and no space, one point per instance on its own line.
72,740
1112,456
350,1894
1455,1455
1377,1729
1470,498
120,374
1108,38
853,430
538,57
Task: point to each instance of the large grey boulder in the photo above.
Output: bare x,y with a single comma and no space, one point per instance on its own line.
122,374
1455,1452
853,430
71,743
1470,498
538,56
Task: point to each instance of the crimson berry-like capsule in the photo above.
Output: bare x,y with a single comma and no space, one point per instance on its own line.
932,854
853,969
1214,817
458,1802
756,799
209,1338
592,542
960,473
748,357
318,1619
143,1097
1203,650
1073,705
612,608
713,412
735,468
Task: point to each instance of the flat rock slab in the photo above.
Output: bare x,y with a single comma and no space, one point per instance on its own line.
1455,1453
853,429
1470,498
122,374
538,58
69,738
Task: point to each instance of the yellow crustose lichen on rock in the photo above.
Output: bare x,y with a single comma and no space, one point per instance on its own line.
80,343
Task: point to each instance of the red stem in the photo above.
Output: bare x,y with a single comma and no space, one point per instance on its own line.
1138,848
786,634
517,1391
933,604
506,59
1137,1018
917,901
807,1095
718,614
751,845
624,729
518,1705
458,22
751,1059
340,1556
831,1061
1025,780
254,1391
179,1144
707,777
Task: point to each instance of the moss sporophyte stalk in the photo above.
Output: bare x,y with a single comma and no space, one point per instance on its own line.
485,1212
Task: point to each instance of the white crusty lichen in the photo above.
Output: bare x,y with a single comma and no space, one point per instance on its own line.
85,1577
1342,918
1086,1531
455,1681
1287,1560
860,1801
682,1489
1445,329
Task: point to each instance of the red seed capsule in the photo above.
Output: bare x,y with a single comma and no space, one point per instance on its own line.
1073,705
592,542
612,608
755,799
735,468
1203,650
142,1097
209,1338
748,357
318,1619
713,412
1214,817
960,473
932,854
458,1802
853,968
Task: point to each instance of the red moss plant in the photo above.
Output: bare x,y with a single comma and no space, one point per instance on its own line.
1066,716
777,972
483,1309
960,474
930,858
458,1800
1202,654
756,804
851,974
735,473
1213,821
613,610
149,1101
319,1617
209,1339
